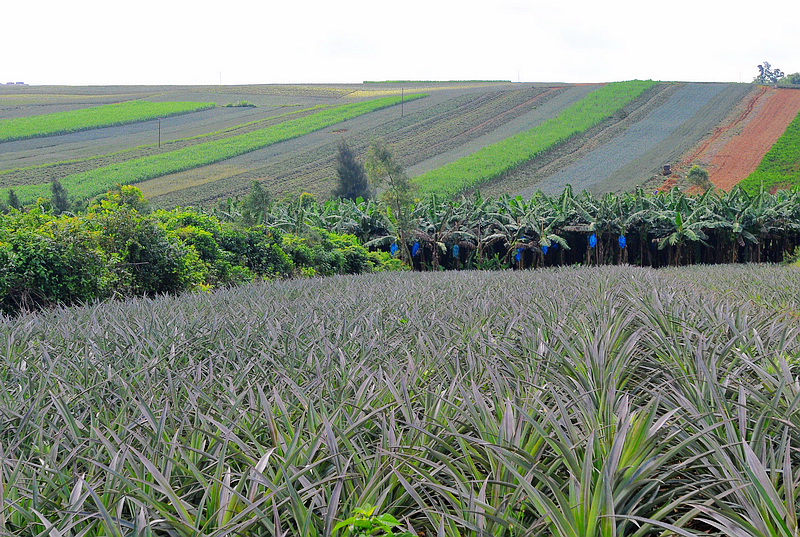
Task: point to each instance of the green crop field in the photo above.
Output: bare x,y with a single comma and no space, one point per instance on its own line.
781,165
496,159
606,401
99,180
92,118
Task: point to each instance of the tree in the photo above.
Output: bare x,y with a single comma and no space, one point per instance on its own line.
383,168
698,177
350,174
13,199
59,200
256,205
768,75
791,79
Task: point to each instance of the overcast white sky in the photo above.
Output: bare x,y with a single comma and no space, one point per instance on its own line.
102,42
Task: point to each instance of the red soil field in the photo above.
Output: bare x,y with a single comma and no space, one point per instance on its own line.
729,156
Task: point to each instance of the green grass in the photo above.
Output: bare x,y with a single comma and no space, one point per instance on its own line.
108,115
493,160
99,180
780,167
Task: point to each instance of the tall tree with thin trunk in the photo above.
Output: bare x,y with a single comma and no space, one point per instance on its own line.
13,199
384,170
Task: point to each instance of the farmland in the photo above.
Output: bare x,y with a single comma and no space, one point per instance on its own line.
667,124
737,147
780,166
108,115
99,180
496,159
630,157
605,399
508,403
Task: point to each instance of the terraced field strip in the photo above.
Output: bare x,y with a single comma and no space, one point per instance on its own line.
229,123
133,171
767,150
494,160
647,142
445,121
93,118
545,106
454,132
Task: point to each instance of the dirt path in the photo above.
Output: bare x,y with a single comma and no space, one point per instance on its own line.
734,150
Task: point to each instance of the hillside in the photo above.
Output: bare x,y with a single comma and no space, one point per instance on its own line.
679,124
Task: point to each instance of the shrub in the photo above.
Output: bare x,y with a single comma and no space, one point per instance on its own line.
153,260
258,249
698,177
57,262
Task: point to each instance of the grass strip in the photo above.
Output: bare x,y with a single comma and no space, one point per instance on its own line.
99,180
496,159
120,154
109,115
780,167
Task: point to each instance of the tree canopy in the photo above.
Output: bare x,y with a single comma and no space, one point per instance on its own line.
352,182
768,75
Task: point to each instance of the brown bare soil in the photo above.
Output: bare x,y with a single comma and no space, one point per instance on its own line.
734,150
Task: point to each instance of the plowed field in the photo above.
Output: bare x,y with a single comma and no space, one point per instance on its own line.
726,128
646,144
734,151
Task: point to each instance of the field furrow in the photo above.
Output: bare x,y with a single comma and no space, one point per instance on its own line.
427,126
645,141
740,156
548,106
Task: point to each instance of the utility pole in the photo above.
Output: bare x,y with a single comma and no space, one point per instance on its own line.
159,133
402,98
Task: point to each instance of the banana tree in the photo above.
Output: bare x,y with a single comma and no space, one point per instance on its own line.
684,220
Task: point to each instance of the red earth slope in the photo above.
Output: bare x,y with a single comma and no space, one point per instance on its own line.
734,150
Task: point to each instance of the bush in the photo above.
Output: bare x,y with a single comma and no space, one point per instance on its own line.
258,249
115,250
153,260
59,261
327,253
698,177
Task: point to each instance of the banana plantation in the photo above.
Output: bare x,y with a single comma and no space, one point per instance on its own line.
652,230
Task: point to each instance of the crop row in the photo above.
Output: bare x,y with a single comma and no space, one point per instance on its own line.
650,141
427,140
608,401
494,160
428,130
93,182
780,167
37,174
108,115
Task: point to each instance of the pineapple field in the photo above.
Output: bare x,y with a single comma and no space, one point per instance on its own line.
569,401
